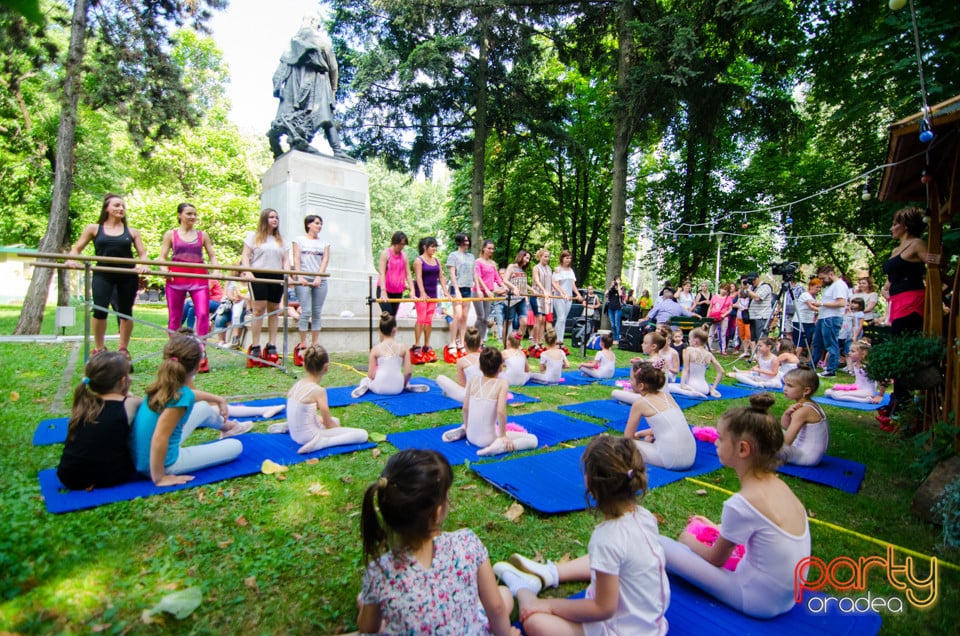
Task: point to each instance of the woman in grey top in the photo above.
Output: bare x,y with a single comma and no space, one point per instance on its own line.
460,265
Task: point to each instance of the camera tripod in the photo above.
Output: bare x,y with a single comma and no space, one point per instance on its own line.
800,339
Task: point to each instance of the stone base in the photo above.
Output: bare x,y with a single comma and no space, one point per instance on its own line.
298,184
931,490
351,335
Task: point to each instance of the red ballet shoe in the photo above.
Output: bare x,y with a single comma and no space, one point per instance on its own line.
416,355
429,355
253,357
298,356
204,365
270,354
450,355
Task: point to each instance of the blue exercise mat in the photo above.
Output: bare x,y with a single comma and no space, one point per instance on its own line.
856,406
432,401
608,410
550,427
256,448
572,378
54,431
836,472
552,483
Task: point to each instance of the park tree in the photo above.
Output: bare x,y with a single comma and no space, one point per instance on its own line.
129,73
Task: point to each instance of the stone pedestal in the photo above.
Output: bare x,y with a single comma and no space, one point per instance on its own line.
299,184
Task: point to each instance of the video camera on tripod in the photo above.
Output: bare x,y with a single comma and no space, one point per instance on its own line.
787,271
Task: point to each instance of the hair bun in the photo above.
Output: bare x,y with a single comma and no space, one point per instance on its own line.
761,402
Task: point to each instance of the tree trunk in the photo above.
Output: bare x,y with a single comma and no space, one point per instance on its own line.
31,317
479,137
622,132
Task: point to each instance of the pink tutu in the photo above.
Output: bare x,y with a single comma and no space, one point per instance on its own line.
624,384
514,428
708,535
705,433
845,387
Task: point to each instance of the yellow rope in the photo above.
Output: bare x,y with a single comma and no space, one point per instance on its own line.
347,366
833,526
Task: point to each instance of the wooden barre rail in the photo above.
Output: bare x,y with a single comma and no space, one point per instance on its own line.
133,272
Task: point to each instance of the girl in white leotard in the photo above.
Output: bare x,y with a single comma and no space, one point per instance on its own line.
766,373
515,369
787,356
604,363
552,361
696,359
485,412
467,367
388,369
863,389
654,345
308,414
806,434
669,441
765,516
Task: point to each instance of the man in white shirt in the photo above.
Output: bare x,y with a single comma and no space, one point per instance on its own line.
832,305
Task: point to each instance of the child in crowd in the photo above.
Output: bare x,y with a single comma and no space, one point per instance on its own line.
308,413
765,516
485,411
669,441
97,453
677,343
552,361
696,359
419,578
851,329
171,411
863,389
743,325
660,355
787,356
669,353
467,367
604,362
766,373
806,434
516,371
388,368
625,564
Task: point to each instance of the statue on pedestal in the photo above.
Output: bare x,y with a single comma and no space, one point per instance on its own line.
306,84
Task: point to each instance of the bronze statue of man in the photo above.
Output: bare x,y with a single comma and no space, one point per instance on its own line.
306,84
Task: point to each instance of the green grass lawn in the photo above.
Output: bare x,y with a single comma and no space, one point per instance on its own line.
271,557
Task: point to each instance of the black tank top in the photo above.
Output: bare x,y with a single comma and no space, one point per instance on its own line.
118,246
904,275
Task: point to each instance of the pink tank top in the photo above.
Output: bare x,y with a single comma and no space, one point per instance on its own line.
188,252
396,273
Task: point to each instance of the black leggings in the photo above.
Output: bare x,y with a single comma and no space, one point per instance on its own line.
103,286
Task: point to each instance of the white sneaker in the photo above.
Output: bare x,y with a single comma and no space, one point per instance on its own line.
546,572
417,388
359,391
279,428
239,428
516,579
454,434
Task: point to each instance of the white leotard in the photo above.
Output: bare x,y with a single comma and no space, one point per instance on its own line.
389,377
513,370
863,388
451,388
811,442
673,447
606,367
551,374
482,418
302,418
763,381
698,361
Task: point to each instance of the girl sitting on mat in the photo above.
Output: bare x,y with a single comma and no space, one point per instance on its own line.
764,374
171,411
485,412
669,441
787,356
97,453
765,516
806,434
659,355
863,389
604,363
308,413
467,367
388,368
420,578
696,359
516,371
625,564
552,360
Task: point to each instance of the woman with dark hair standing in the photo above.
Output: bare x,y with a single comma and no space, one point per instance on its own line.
264,249
489,284
188,245
516,281
310,254
906,271
460,267
395,275
614,309
112,237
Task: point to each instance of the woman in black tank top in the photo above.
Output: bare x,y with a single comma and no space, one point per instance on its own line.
112,237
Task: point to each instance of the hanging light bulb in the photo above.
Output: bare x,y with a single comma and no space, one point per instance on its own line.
926,130
744,225
865,195
789,220
896,5
926,176
926,216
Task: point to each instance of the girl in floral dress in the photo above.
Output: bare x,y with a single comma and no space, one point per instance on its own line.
422,580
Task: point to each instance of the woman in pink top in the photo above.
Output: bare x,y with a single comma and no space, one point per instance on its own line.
719,312
489,284
394,274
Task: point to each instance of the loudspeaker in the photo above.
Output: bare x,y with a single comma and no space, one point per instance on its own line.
631,335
